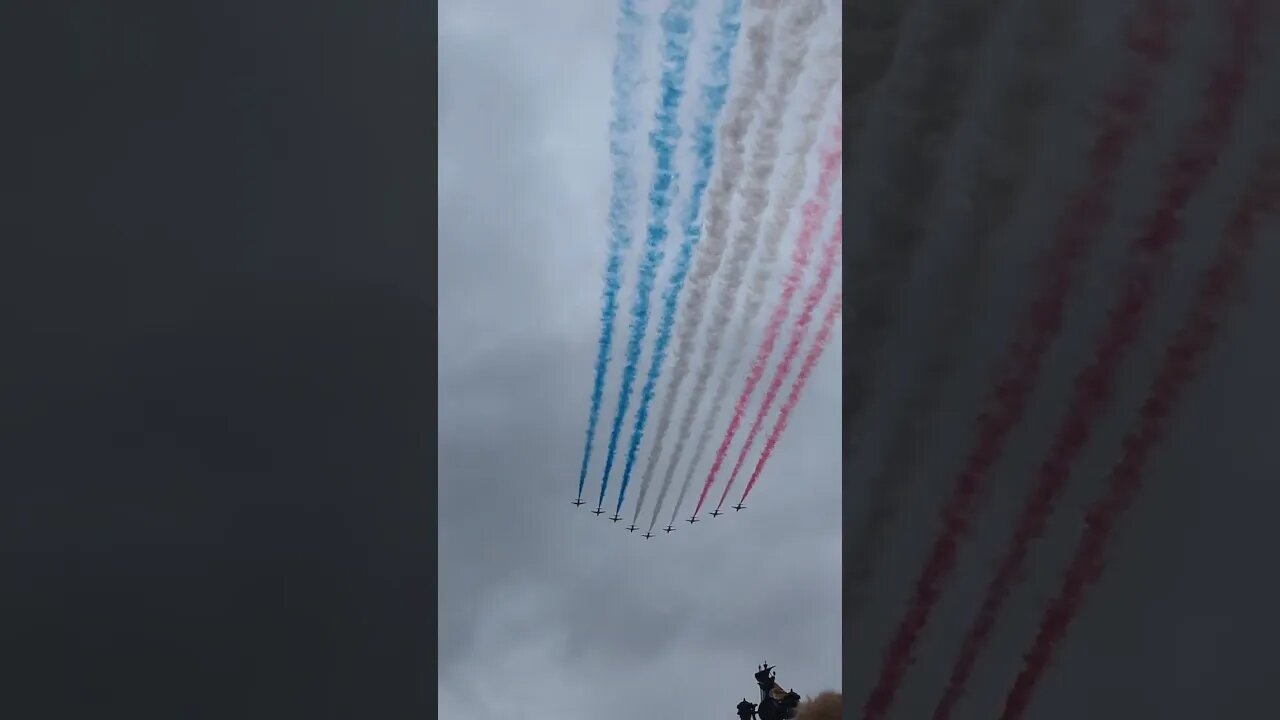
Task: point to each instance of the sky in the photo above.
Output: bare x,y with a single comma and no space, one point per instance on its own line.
524,100
540,601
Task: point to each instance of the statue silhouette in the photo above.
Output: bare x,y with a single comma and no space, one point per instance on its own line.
775,703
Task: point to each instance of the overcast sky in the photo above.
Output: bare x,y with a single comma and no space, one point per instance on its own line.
540,601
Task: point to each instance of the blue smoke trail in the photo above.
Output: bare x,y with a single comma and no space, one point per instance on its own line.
677,26
625,80
713,98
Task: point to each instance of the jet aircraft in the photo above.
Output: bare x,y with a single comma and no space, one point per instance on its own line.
739,506
577,502
668,528
692,520
648,535
616,517
597,511
631,529
716,513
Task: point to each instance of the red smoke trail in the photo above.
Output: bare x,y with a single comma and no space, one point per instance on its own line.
1148,37
1181,363
830,259
1095,386
814,210
793,397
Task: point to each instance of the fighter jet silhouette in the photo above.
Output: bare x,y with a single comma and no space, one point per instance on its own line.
668,528
616,517
631,529
716,513
648,535
739,506
692,520
597,511
577,502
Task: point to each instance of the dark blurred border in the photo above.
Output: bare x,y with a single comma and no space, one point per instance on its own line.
218,444
864,63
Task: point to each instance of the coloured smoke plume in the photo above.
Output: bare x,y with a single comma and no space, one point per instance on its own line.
677,25
922,106
827,69
713,97
621,203
827,705
755,194
733,132
1094,387
1148,37
1181,364
793,397
986,198
813,213
826,268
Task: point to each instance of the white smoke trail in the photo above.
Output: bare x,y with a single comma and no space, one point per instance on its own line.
738,118
765,155
993,181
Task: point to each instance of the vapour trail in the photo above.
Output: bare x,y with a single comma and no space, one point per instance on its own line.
711,249
1181,364
813,213
677,26
755,194
826,268
922,105
987,196
713,97
793,395
626,78
874,27
827,69
737,121
1094,387
1149,38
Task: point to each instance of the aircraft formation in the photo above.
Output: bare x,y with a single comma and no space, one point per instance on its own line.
744,215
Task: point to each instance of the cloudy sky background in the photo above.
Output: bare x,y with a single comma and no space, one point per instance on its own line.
540,603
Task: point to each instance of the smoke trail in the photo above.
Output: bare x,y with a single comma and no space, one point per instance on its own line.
1002,153
677,26
1095,385
1180,366
732,136
830,260
1148,38
795,36
713,98
621,141
827,66
813,213
921,112
793,396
